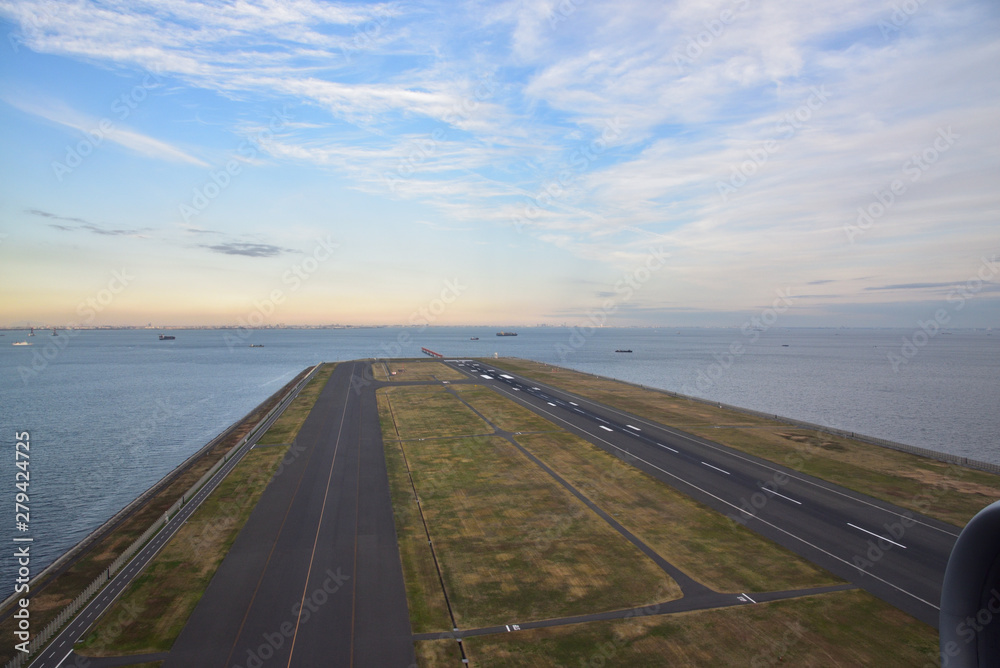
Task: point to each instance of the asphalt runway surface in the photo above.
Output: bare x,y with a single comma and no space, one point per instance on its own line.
314,577
898,555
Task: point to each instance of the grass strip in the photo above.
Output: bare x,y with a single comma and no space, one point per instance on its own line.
491,513
946,492
286,427
428,609
153,610
422,370
49,599
700,541
430,412
502,412
838,629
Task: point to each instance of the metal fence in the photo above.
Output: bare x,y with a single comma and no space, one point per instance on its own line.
67,613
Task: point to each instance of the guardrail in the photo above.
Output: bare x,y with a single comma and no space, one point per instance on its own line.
67,613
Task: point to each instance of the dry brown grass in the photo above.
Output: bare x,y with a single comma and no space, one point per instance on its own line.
431,412
698,540
949,493
422,370
839,629
154,608
502,412
49,600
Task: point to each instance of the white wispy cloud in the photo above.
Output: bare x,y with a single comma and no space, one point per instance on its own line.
494,113
101,129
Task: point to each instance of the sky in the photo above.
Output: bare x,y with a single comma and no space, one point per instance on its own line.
512,163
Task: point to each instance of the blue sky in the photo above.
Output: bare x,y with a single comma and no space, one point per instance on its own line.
631,163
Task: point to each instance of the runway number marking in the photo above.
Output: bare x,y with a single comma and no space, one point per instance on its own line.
771,491
716,468
870,533
605,428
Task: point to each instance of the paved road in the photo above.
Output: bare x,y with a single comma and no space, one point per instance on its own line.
895,554
314,578
61,647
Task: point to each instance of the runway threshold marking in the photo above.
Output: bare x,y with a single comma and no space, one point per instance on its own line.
716,468
771,491
872,533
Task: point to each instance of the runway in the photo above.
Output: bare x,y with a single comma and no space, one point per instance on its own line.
314,577
896,554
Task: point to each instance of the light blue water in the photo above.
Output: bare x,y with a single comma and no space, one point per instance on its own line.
111,412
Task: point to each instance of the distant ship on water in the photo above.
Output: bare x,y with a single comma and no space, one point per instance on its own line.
506,333
167,337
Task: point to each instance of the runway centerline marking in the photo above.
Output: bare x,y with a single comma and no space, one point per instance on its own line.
872,533
319,524
716,468
738,509
771,491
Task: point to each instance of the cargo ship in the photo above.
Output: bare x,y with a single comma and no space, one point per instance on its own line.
167,337
506,333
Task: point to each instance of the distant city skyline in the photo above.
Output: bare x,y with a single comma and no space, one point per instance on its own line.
636,164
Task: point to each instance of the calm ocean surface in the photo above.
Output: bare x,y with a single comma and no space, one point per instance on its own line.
111,412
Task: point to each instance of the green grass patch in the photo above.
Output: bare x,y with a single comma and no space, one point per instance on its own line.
431,412
700,541
428,609
514,545
52,597
438,653
946,492
839,629
502,412
286,427
153,610
421,370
